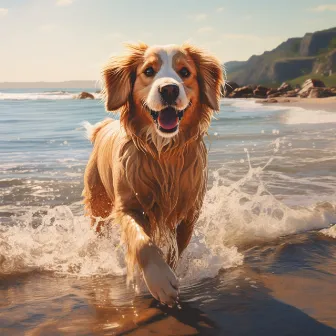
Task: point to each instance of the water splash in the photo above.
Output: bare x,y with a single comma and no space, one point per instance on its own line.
62,243
330,232
233,216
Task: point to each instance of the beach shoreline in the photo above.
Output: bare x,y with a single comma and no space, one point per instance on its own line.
323,104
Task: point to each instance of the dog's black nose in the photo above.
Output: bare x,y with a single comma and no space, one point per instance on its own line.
169,93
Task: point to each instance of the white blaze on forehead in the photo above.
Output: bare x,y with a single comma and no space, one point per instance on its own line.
166,54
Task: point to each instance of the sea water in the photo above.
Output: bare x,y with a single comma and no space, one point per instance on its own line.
272,177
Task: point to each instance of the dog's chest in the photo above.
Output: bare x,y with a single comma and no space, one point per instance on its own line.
167,188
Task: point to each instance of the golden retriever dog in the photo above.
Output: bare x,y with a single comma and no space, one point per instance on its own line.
148,171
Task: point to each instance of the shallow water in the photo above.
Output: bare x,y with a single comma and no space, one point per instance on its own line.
262,258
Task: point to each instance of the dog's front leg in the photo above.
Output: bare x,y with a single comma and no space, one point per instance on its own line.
159,277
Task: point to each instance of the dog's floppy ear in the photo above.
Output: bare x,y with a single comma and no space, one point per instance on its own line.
210,76
119,76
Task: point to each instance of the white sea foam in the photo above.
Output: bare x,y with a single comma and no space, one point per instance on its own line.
301,116
251,105
292,116
52,95
330,232
231,218
63,243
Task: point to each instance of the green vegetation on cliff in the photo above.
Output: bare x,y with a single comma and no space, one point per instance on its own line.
327,80
313,55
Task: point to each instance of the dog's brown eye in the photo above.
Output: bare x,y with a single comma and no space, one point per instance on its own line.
184,72
149,72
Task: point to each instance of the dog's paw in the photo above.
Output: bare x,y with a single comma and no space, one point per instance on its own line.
161,280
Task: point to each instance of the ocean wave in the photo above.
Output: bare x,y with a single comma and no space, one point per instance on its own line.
63,242
56,92
291,116
295,116
330,232
47,95
251,105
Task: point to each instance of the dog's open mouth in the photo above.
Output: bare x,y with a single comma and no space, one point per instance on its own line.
167,120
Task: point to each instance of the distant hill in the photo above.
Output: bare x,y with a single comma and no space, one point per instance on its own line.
311,55
85,84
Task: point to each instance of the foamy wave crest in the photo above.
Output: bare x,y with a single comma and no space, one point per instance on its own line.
231,220
250,105
50,95
62,243
292,115
301,116
330,232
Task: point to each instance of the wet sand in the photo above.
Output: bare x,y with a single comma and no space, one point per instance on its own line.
286,287
324,104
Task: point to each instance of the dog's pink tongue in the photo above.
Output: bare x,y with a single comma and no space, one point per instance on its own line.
168,118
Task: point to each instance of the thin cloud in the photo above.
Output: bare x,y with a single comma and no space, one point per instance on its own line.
145,34
198,17
214,43
324,8
116,36
204,30
3,11
47,27
219,9
242,37
64,2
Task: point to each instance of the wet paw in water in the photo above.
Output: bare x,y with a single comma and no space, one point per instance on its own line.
161,281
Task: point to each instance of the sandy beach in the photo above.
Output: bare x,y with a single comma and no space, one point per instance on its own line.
324,104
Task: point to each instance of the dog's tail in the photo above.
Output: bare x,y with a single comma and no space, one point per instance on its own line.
91,131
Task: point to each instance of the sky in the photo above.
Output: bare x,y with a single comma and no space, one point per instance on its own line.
57,40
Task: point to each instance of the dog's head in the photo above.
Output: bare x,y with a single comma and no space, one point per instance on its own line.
170,89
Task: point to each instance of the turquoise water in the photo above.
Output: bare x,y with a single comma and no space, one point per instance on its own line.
272,186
